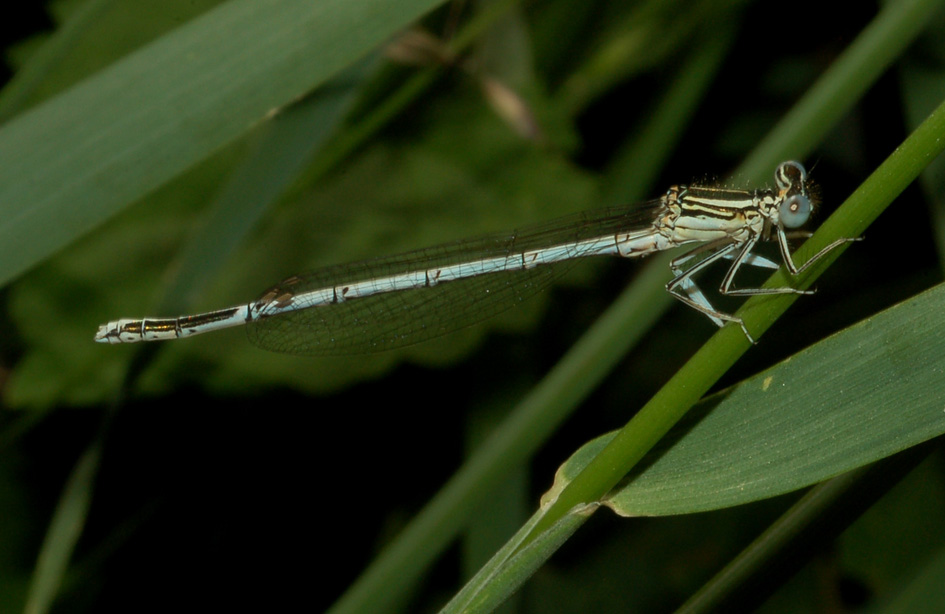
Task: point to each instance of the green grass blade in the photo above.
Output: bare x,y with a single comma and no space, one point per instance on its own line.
630,445
861,64
64,530
498,579
823,513
277,155
530,424
444,508
721,351
75,160
859,396
637,164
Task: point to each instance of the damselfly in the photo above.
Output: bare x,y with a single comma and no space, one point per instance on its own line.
400,300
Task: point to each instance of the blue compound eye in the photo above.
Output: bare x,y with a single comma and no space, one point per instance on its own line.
794,211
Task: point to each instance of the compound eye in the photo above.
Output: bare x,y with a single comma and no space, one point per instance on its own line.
794,211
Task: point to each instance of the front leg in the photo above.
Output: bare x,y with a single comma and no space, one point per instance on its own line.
789,261
683,288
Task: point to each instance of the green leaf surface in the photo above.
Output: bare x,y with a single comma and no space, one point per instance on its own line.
859,396
76,159
898,495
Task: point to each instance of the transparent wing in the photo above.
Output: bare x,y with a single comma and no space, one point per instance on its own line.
395,319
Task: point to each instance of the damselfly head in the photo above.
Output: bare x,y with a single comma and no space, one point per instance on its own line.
798,195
